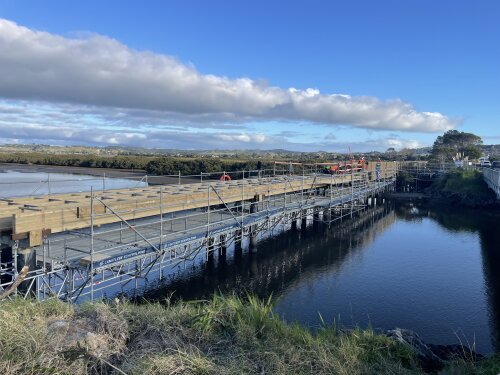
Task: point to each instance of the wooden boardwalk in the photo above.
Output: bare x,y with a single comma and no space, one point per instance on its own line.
89,242
33,217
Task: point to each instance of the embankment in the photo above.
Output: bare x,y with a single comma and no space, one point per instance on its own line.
465,188
226,335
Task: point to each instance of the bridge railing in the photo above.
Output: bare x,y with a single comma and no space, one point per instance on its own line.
492,178
51,183
157,222
32,184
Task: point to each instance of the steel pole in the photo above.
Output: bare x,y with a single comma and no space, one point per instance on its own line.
208,211
161,229
352,188
91,244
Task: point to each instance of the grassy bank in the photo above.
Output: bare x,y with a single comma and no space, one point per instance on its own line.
226,335
464,187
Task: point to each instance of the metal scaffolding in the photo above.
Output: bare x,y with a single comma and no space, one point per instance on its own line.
132,254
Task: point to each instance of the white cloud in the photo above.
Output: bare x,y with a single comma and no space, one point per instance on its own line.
245,137
62,134
174,139
166,139
101,72
374,144
399,144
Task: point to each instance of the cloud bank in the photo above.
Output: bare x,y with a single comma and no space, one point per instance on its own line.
102,72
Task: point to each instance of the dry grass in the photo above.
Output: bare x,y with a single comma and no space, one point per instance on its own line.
227,335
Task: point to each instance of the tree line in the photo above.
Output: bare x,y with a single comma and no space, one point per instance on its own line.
149,164
445,147
73,160
168,165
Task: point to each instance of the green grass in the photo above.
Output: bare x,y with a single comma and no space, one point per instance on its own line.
226,335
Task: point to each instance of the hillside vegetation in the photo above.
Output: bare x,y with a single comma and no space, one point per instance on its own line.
464,187
227,335
154,165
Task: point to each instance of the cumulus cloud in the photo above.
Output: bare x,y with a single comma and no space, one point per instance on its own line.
153,138
102,72
375,144
62,134
258,138
64,129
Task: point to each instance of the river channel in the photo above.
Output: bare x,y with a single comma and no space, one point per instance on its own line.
434,270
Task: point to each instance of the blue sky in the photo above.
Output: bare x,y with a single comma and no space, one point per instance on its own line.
198,74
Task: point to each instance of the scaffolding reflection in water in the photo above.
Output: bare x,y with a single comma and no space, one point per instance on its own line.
146,241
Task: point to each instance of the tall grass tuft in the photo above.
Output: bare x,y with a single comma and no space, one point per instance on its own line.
223,335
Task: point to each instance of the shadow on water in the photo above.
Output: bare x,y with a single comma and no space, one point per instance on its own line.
349,261
487,224
281,259
490,250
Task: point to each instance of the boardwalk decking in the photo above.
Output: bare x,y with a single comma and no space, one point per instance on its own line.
86,242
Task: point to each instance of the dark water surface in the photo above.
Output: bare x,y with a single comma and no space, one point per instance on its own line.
430,269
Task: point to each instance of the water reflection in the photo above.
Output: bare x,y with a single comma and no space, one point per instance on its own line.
280,260
430,269
490,246
487,224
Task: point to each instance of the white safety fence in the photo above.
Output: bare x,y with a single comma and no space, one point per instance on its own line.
492,178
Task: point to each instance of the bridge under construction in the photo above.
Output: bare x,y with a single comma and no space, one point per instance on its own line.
79,246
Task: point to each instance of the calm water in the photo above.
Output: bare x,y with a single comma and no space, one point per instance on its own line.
436,271
18,184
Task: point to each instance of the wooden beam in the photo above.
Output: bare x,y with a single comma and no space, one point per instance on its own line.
28,217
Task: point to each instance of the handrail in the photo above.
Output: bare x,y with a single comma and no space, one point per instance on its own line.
492,178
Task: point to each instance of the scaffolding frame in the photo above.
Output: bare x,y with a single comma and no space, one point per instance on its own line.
132,254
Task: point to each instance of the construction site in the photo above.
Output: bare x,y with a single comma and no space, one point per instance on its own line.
106,242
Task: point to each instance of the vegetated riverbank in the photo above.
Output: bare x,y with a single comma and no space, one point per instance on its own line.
157,165
227,335
465,188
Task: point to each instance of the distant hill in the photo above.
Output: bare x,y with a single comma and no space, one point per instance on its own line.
277,154
492,150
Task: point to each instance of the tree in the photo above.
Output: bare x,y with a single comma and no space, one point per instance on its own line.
473,152
447,145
